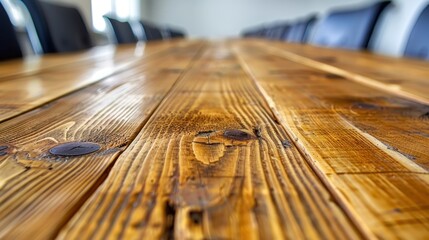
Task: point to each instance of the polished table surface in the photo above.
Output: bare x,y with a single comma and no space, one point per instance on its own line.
191,139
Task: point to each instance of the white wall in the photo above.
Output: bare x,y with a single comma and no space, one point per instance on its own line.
227,18
216,19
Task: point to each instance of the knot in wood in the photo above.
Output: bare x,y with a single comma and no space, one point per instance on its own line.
3,150
74,149
237,135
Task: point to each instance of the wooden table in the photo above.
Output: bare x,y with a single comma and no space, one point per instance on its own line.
214,140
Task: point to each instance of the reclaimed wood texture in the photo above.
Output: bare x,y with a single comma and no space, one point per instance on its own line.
407,78
212,163
245,139
47,84
39,191
36,64
369,146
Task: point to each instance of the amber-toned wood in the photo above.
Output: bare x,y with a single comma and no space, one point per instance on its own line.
37,64
39,191
404,77
212,163
245,139
369,146
51,83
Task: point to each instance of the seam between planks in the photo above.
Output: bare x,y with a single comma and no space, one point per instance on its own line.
394,89
79,62
122,68
348,210
106,173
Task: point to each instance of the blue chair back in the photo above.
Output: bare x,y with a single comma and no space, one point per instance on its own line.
418,42
298,31
277,31
9,46
121,32
351,29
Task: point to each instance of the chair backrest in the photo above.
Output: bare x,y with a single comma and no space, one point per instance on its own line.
174,33
277,32
59,28
151,32
351,29
121,32
40,25
418,42
299,30
9,46
255,32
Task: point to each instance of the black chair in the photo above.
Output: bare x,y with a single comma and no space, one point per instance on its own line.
174,33
255,32
40,25
351,29
59,28
299,30
418,42
152,33
120,32
9,45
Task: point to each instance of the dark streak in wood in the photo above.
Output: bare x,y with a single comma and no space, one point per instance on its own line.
257,131
204,133
366,106
286,143
196,217
170,215
409,156
334,76
237,135
424,116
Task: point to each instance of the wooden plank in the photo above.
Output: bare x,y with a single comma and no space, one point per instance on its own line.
39,192
212,163
46,86
37,64
359,140
406,78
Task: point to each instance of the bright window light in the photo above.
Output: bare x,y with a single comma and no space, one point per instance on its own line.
122,9
100,8
14,12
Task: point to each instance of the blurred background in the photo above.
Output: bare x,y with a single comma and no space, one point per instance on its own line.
220,19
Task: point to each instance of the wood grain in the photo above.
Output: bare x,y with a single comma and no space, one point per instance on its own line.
39,192
243,139
403,77
212,163
36,64
369,147
49,84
